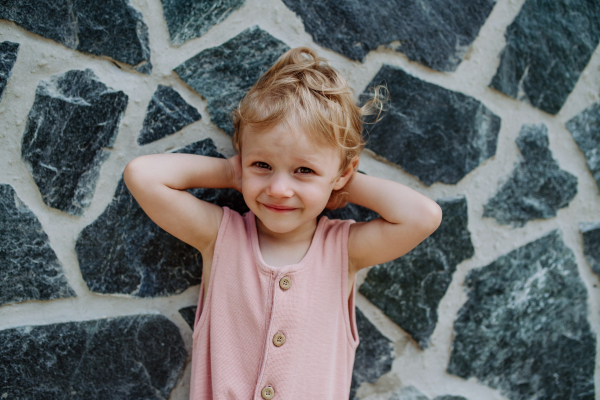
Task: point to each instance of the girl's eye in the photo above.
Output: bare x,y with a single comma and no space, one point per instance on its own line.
304,170
261,164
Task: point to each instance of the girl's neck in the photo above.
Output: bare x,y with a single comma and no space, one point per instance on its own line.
287,248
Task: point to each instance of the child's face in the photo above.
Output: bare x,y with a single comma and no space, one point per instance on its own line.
287,179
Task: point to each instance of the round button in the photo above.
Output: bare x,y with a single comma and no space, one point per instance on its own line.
285,283
267,392
278,339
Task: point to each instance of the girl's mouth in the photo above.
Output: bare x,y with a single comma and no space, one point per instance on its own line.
277,208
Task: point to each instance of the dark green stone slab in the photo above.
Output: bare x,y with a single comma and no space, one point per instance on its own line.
189,19
547,47
8,57
537,187
124,252
433,133
111,27
585,128
137,357
524,329
374,354
434,33
167,113
74,118
29,268
223,74
409,289
189,314
591,244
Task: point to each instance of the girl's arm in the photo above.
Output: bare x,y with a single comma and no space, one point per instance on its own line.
407,218
158,183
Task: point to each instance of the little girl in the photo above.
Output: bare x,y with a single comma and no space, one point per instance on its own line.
276,310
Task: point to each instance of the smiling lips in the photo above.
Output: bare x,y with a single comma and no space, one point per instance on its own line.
280,209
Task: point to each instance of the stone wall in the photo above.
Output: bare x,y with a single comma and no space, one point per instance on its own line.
494,112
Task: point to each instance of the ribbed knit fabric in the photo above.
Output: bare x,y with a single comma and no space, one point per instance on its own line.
233,352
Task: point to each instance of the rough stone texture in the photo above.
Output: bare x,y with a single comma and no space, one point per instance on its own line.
524,327
585,128
167,113
123,251
189,314
73,119
189,19
29,268
134,357
8,57
224,74
112,28
548,44
434,33
537,187
409,289
433,133
412,393
591,244
374,354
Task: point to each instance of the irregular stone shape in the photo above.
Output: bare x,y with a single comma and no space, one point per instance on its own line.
548,44
433,133
434,33
585,128
123,251
29,268
167,113
352,211
114,28
224,74
524,329
591,244
537,187
8,57
188,19
73,119
374,354
409,289
189,314
133,357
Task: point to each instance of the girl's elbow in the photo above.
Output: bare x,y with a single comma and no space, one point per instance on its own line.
432,217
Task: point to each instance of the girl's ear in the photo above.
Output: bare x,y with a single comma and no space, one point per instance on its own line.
346,174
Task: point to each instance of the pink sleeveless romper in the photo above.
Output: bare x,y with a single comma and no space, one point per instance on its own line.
275,333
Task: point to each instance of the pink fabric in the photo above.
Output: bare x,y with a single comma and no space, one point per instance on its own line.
233,353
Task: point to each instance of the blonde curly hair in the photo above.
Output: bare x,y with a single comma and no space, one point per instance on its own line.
303,87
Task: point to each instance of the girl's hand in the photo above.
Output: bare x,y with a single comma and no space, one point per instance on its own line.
235,172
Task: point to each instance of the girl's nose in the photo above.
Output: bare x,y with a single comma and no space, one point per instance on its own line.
280,186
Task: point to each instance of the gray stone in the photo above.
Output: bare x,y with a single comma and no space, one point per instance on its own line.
124,252
548,44
8,57
134,357
591,244
409,289
74,118
167,113
412,393
431,132
224,74
111,28
434,33
374,354
585,128
189,315
524,329
537,187
189,19
29,268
